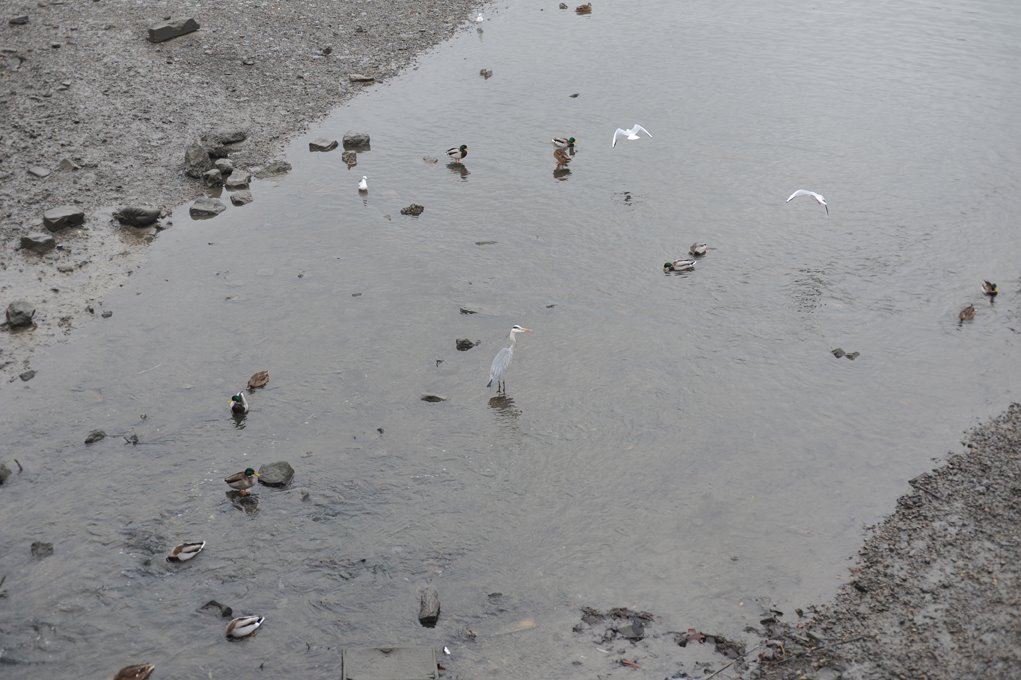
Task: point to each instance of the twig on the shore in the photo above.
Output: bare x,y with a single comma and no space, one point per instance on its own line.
926,490
20,470
753,649
150,369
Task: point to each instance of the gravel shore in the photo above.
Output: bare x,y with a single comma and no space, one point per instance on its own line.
107,114
937,591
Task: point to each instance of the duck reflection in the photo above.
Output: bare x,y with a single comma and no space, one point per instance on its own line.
458,169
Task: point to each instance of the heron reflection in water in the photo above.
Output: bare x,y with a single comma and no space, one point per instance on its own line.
502,361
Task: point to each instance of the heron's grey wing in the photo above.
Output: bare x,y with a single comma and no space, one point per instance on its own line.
638,128
500,363
618,131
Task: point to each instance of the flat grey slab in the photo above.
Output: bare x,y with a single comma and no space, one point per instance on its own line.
388,663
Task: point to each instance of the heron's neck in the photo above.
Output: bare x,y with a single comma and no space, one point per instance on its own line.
513,339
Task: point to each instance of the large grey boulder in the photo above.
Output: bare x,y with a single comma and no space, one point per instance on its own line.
206,207
222,141
172,28
196,160
243,197
356,140
225,166
429,607
20,313
277,474
239,179
137,215
322,144
213,178
63,216
38,242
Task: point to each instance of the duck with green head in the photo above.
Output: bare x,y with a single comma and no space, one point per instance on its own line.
457,153
238,404
563,142
242,481
677,266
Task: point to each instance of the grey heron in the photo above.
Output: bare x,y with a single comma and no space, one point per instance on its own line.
502,360
805,192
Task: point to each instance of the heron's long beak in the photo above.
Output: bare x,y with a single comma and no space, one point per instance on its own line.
527,330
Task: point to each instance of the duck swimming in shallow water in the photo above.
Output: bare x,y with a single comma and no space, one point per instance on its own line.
678,266
139,671
238,404
967,314
243,626
185,552
562,158
989,288
698,249
242,481
563,142
457,153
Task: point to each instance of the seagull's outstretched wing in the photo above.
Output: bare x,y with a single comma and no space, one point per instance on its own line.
617,132
799,192
638,128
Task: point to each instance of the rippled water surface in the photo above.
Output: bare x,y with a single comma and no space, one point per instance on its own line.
681,444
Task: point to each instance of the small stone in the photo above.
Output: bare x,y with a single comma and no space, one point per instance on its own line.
19,314
196,160
226,135
224,165
206,207
838,352
5,473
137,215
95,436
55,45
277,474
433,398
464,344
213,178
243,197
19,20
107,314
40,549
66,164
171,28
38,171
239,179
248,62
38,242
27,375
322,144
853,355
273,169
414,210
63,216
429,608
358,141
360,78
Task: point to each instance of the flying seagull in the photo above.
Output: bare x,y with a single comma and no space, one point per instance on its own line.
804,192
631,134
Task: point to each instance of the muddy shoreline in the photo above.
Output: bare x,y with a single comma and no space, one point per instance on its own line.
108,114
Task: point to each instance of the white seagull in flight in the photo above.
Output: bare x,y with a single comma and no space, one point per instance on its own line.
631,134
804,192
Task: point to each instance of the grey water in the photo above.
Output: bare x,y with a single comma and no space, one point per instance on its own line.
682,444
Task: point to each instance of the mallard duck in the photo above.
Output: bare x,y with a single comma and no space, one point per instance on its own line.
967,314
562,158
563,142
185,552
242,481
584,9
989,288
456,153
238,404
678,266
139,671
258,380
698,249
243,626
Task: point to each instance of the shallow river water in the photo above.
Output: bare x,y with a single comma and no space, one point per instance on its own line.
682,444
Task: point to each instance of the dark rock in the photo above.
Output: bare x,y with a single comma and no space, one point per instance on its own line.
277,474
171,28
852,355
40,549
360,78
95,436
465,310
206,207
19,20
433,398
224,165
137,215
213,178
20,313
414,209
350,158
273,169
63,216
107,314
38,242
359,141
196,160
38,171
429,608
239,179
27,375
243,197
633,630
464,344
838,352
224,610
322,144
5,472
